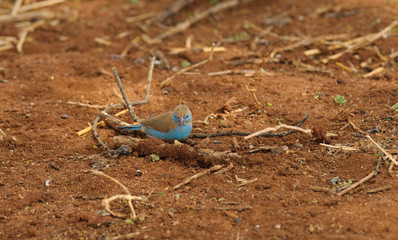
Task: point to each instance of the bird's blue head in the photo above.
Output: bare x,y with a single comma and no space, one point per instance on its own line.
182,115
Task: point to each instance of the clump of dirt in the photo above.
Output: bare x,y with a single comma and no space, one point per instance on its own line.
180,153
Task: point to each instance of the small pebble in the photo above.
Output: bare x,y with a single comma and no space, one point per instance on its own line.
334,180
237,220
217,142
139,60
257,226
123,150
31,104
47,183
3,81
138,173
278,55
277,226
157,62
116,56
340,81
64,116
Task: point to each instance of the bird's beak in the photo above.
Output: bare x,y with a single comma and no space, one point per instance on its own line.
181,121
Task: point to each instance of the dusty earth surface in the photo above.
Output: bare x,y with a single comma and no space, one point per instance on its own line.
291,193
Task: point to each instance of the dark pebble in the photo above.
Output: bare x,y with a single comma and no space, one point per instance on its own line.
123,150
64,116
340,81
237,220
166,91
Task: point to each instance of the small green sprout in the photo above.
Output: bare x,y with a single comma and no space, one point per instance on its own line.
395,107
340,99
129,221
185,64
154,157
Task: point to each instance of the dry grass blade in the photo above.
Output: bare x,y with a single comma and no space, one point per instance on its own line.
345,148
304,42
126,236
88,129
41,4
167,82
363,41
16,7
374,72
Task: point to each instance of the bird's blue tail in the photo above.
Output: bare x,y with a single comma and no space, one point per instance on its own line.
131,127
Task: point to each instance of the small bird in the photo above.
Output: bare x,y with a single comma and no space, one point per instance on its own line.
176,125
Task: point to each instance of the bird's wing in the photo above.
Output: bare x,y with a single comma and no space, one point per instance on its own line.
163,122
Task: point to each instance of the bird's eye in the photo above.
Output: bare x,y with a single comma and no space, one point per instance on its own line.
187,116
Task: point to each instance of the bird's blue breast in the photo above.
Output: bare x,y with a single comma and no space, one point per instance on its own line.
180,133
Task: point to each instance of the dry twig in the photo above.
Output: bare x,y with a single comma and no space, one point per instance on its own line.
167,82
127,197
125,98
223,170
200,16
369,176
28,16
140,17
236,133
243,181
110,107
87,105
188,180
308,131
25,32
